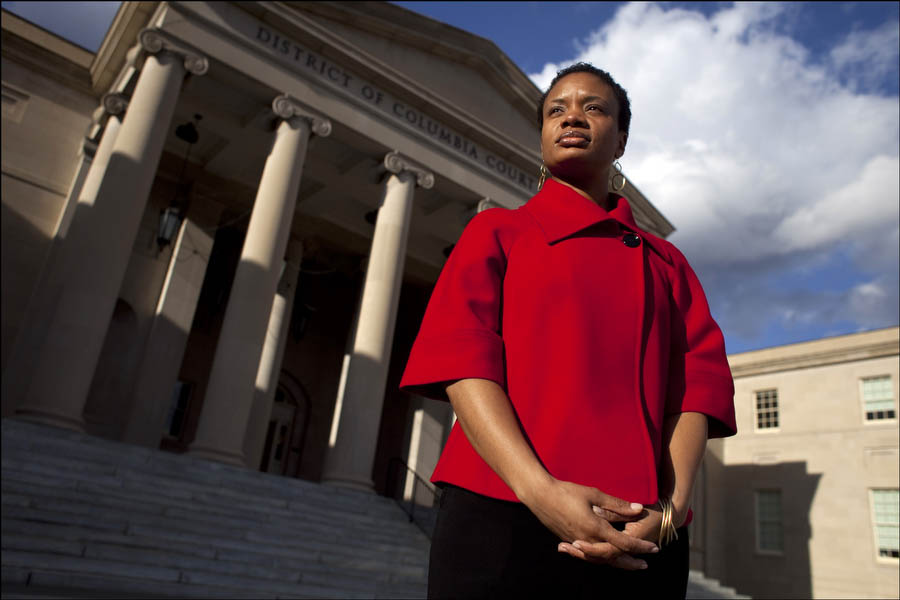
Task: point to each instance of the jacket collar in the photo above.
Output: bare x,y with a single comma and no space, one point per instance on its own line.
561,211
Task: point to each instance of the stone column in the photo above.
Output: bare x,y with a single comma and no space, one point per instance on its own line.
35,324
358,413
98,244
113,109
427,434
157,374
229,395
272,356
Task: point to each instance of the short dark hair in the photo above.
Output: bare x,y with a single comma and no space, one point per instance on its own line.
618,91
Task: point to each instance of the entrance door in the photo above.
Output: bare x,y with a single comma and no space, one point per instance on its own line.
278,438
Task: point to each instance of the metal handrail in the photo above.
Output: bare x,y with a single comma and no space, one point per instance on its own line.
394,465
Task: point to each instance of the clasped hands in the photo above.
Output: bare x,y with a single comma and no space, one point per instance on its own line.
585,516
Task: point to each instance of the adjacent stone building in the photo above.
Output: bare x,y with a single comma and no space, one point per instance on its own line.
803,501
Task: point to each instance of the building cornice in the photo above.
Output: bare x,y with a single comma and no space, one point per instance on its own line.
121,36
439,39
818,353
45,53
296,20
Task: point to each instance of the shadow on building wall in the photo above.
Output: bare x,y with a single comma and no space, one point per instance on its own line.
731,528
25,247
393,438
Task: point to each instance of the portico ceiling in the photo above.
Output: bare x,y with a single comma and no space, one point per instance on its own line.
341,180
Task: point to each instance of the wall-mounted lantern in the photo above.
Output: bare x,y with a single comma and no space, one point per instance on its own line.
170,217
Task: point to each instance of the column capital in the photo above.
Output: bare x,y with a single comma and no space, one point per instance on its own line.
113,103
480,206
486,203
397,163
153,40
288,107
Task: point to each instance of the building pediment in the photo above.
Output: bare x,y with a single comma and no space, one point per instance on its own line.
454,78
452,66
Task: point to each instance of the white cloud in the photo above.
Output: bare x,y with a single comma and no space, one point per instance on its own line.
871,304
762,158
865,57
865,205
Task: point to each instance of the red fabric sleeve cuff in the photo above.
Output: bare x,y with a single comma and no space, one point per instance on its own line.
435,362
713,396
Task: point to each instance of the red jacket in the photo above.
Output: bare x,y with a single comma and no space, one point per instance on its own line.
594,328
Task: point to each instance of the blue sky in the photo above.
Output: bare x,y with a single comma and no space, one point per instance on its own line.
768,133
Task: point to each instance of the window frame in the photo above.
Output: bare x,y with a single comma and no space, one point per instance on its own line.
885,560
778,415
862,400
757,522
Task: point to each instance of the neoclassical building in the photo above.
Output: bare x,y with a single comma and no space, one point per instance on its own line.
221,230
220,233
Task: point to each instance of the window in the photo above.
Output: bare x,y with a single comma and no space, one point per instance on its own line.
767,409
769,534
14,103
878,398
886,518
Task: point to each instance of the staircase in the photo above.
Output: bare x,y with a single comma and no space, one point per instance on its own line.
699,587
89,517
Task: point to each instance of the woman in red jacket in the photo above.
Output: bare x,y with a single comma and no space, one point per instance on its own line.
586,374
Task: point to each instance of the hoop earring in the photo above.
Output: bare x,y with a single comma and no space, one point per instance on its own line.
543,177
617,177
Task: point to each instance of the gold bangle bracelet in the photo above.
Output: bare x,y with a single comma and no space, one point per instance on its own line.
667,532
673,534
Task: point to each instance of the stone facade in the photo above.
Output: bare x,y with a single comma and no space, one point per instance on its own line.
819,453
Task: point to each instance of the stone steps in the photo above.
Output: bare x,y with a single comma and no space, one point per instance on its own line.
87,517
701,588
194,482
188,520
193,491
82,514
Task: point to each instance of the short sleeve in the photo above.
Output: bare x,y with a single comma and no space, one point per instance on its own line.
460,333
699,376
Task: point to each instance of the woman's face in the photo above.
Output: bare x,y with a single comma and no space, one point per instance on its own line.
580,138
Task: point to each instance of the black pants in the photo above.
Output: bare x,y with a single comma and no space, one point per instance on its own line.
488,548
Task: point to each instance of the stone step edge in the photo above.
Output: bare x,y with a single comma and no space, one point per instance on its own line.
41,476
106,453
136,490
12,430
113,570
324,549
391,572
107,586
713,585
156,557
63,468
117,498
190,521
278,487
103,551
